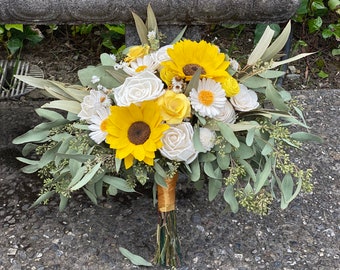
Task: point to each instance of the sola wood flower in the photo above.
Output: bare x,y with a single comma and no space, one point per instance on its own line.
135,132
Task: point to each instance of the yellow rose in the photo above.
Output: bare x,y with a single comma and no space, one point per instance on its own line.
174,107
231,86
136,52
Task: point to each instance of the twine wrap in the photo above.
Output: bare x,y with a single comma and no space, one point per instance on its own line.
167,196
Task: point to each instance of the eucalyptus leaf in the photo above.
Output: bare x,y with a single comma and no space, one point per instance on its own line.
159,169
262,177
243,152
229,197
179,36
91,195
272,74
78,175
141,29
209,170
87,177
268,147
214,186
223,161
135,259
63,202
78,157
197,141
195,170
118,182
65,105
244,125
28,148
273,95
228,134
103,72
261,46
151,20
107,60
254,82
207,157
250,136
32,135
297,57
48,114
248,168
28,161
305,137
278,44
30,168
43,198
113,191
160,180
193,84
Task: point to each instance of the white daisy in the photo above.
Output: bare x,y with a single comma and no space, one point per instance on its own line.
92,103
209,98
145,63
97,134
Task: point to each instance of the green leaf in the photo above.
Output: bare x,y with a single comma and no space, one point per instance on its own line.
229,197
78,175
248,169
244,125
314,25
135,259
43,198
65,105
334,4
118,182
141,29
28,148
105,74
268,147
214,187
223,161
243,152
250,136
322,74
107,60
271,74
278,44
19,27
160,180
297,57
287,187
159,169
32,135
195,170
193,82
305,137
151,20
262,177
179,36
91,195
63,202
48,114
228,134
197,141
273,95
254,82
14,44
77,157
261,46
87,177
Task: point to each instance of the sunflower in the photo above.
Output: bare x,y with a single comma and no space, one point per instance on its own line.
187,56
135,132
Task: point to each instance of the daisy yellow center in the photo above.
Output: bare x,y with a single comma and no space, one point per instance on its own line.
190,69
140,68
139,132
206,97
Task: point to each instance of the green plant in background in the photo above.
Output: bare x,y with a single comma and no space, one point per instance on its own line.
312,12
115,32
14,36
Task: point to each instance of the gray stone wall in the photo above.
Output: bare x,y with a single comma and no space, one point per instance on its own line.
167,11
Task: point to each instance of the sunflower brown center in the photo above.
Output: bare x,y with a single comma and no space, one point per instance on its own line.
139,132
190,69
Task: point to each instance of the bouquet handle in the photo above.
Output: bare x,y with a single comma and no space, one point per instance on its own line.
168,245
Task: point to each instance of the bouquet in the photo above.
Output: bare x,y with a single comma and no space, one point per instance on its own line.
153,112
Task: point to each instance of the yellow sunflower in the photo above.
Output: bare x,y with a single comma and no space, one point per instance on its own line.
135,132
187,56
